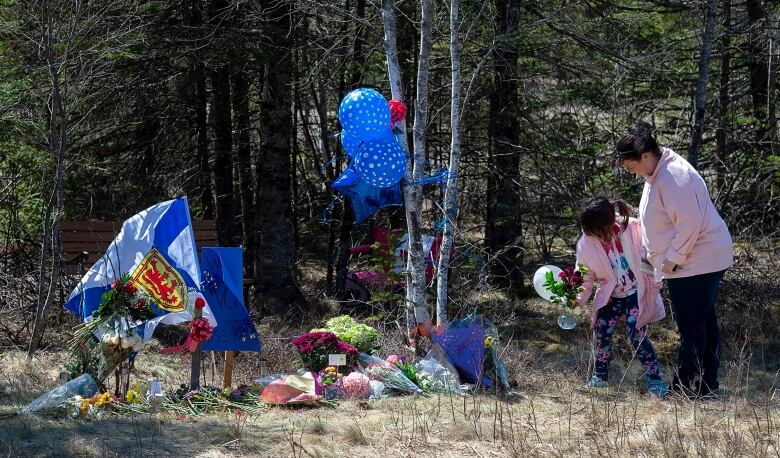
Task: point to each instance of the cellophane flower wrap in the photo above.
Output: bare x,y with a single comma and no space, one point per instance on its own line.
387,373
314,348
567,286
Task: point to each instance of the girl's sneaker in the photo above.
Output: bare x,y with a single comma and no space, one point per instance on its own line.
657,387
596,382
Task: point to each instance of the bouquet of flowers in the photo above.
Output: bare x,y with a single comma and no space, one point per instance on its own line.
330,376
359,335
408,369
565,289
433,377
94,406
102,343
314,348
387,373
356,385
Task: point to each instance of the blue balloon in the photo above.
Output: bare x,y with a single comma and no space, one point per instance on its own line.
348,178
364,198
350,142
381,162
364,112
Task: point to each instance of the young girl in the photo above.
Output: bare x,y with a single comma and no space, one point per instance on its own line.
610,249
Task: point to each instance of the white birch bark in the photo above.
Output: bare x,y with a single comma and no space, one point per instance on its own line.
416,304
415,290
451,193
397,93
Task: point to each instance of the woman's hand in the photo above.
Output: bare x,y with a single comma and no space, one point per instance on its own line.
668,267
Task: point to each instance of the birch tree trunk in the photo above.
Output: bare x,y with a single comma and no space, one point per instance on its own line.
416,306
701,88
451,194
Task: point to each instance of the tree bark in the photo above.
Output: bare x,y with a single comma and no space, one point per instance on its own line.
415,266
223,136
51,250
347,215
451,194
276,287
416,307
503,222
721,135
200,108
758,66
243,156
701,87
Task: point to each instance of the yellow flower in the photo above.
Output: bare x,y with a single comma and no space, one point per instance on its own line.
84,407
103,399
488,341
132,397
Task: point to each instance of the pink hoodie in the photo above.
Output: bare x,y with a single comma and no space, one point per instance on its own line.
680,223
591,254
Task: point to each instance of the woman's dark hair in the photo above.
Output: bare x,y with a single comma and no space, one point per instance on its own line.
597,216
636,142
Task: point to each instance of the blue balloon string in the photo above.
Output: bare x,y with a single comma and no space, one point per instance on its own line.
326,214
439,177
439,225
324,167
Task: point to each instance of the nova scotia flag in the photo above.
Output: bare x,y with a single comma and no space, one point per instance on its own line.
165,227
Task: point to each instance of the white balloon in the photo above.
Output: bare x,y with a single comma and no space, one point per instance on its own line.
539,280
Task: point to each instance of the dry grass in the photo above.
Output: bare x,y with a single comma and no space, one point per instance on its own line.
547,414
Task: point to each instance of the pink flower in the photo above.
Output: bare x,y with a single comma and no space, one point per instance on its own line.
392,359
356,385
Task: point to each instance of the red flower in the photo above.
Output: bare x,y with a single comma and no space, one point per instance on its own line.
139,304
129,288
343,347
115,284
397,111
200,303
562,275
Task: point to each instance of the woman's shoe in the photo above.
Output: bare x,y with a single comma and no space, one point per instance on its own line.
657,388
596,382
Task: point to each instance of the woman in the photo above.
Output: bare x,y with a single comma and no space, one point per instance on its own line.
688,245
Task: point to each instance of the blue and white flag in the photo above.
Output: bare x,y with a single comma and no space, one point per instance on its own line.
157,249
223,287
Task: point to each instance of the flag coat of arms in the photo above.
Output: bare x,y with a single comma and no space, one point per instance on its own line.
156,248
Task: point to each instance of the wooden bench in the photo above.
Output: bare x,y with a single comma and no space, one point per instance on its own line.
84,242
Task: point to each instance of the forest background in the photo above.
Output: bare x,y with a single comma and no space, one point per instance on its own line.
109,107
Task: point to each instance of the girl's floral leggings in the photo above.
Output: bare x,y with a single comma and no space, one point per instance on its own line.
606,320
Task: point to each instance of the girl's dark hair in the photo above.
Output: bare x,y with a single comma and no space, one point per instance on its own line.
636,142
597,216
